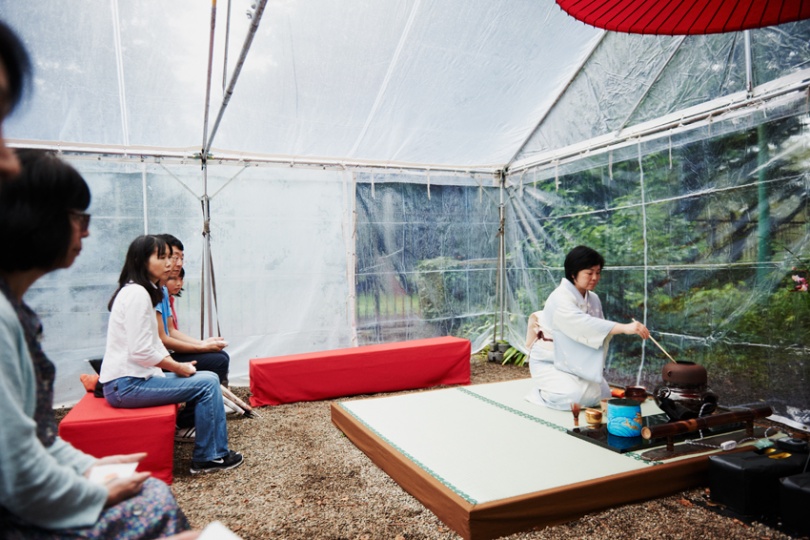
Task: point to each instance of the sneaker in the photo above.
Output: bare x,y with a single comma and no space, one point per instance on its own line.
231,461
185,434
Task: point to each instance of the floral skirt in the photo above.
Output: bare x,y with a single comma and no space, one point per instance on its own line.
153,513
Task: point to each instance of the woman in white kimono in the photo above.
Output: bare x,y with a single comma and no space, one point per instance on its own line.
568,350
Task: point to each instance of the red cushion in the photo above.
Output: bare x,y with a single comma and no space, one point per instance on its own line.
387,367
98,429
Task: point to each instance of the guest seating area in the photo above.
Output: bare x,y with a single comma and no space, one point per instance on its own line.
95,427
386,367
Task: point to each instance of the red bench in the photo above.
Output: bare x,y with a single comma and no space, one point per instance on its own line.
95,427
387,367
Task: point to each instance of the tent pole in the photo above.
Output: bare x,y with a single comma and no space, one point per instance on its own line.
225,49
495,353
205,283
350,243
500,276
254,26
749,65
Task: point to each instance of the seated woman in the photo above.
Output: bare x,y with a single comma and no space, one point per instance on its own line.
209,353
134,359
568,357
45,491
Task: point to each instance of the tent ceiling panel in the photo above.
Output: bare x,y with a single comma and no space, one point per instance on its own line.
426,82
113,73
398,81
634,79
715,65
432,84
604,92
76,94
780,51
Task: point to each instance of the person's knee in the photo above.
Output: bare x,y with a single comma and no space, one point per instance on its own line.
208,379
224,360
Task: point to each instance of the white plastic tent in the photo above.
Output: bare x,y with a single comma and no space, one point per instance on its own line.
359,172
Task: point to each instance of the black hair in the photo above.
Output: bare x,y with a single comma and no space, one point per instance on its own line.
580,258
172,241
136,266
16,62
35,211
181,275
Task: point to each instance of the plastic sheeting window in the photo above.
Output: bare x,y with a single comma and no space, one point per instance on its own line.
702,235
426,257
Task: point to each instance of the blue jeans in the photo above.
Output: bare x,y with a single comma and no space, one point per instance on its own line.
216,362
202,389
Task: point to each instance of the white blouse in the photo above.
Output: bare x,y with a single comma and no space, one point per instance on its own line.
133,347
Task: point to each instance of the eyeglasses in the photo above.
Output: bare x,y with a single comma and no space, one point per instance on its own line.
82,218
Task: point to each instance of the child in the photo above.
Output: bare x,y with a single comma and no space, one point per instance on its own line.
175,286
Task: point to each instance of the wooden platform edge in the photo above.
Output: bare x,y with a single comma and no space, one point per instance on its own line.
485,521
560,505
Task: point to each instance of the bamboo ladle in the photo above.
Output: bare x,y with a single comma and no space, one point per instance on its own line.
659,346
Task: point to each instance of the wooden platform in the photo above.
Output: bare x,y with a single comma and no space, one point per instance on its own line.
488,463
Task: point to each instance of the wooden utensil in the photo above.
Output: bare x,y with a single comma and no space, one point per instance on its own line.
659,346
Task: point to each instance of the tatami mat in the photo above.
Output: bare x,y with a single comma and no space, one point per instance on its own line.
484,445
488,462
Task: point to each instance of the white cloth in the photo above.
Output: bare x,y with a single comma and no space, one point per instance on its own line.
571,370
133,343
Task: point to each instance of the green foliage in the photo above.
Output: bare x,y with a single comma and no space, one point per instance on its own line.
513,356
708,220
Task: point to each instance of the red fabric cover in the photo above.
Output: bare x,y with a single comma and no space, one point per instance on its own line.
98,429
387,367
685,17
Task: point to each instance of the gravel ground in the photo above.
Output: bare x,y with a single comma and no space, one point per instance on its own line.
303,479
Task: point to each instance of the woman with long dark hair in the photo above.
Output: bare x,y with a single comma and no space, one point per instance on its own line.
135,358
45,491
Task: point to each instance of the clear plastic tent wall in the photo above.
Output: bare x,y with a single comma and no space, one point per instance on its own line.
354,182
703,226
702,239
304,260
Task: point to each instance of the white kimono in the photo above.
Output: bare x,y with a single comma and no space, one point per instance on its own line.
570,368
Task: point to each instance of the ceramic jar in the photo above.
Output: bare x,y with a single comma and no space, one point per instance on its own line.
624,417
684,393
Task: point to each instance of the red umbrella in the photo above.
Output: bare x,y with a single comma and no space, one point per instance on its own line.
679,17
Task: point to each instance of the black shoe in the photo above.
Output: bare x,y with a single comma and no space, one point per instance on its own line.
231,461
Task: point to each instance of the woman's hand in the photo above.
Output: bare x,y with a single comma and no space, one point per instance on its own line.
186,369
121,489
213,344
181,369
631,328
